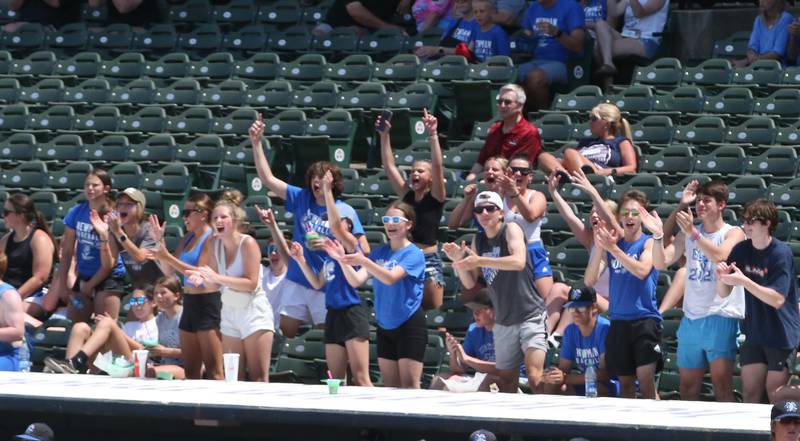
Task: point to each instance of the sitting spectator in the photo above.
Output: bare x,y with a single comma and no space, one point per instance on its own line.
167,355
367,15
770,35
488,39
609,151
476,352
54,13
509,12
137,13
12,322
427,13
457,27
84,343
643,21
557,26
594,11
785,421
584,344
792,54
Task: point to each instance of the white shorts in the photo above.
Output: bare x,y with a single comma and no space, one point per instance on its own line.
304,304
243,322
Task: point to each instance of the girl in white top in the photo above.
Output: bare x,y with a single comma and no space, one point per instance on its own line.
275,274
235,266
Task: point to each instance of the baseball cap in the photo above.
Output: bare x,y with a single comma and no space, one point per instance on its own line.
489,197
137,196
482,435
37,432
583,296
480,301
785,409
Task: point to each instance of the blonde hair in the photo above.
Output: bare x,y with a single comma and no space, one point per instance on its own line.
617,125
498,159
237,213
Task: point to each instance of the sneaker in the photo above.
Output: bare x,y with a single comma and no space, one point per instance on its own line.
60,366
553,342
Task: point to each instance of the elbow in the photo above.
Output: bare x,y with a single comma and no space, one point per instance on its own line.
519,265
661,266
778,301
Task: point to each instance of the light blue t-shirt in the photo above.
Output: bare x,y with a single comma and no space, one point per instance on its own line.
338,293
764,40
631,298
87,251
395,304
479,343
490,43
580,350
463,28
566,15
308,216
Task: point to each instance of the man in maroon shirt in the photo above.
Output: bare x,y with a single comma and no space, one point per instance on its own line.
513,134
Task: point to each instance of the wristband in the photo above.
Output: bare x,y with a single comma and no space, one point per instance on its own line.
658,238
695,236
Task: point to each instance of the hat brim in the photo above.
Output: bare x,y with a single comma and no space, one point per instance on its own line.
787,415
27,437
475,306
577,304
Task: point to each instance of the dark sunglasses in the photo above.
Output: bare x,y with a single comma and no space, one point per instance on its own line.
6,212
137,301
188,211
752,220
505,101
524,171
486,208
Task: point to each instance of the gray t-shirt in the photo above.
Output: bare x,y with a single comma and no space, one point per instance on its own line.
144,273
169,335
513,293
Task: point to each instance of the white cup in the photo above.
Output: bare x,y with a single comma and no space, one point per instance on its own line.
140,362
231,363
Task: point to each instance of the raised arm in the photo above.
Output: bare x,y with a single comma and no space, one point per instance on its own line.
663,255
334,220
275,185
389,165
575,224
688,197
457,253
136,253
580,180
268,217
463,211
354,277
437,167
598,261
530,209
316,280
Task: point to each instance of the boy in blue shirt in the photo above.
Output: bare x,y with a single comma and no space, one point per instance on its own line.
487,39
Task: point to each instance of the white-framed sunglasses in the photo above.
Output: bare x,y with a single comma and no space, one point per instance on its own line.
393,219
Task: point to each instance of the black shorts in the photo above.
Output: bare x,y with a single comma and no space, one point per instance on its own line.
776,359
112,285
633,343
201,312
346,324
409,340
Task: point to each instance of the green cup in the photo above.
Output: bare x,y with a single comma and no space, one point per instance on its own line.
333,385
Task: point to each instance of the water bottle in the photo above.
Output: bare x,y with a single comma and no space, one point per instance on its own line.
24,356
590,379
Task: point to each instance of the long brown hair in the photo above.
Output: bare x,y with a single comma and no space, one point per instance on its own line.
23,206
408,213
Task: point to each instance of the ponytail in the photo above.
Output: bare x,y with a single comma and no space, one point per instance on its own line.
625,129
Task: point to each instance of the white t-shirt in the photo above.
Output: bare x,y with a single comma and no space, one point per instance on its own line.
143,332
273,286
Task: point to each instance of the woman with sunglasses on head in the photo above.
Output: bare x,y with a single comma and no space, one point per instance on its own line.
425,192
493,170
201,341
398,271
609,151
30,249
235,267
99,288
139,332
303,303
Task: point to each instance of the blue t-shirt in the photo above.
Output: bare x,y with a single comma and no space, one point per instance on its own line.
772,267
764,40
395,304
605,153
8,351
338,293
580,350
595,10
630,297
566,15
479,343
463,29
308,216
490,43
87,251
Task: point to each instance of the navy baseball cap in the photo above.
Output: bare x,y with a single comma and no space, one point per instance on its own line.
37,432
584,296
785,409
482,435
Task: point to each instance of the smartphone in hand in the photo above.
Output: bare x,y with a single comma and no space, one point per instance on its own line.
386,115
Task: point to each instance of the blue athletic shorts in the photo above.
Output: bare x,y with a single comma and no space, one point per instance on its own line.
704,340
9,361
556,70
540,261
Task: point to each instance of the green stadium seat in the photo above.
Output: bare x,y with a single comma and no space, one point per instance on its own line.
570,254
414,97
229,93
68,182
29,36
783,103
499,70
648,184
670,161
201,41
281,13
159,148
663,73
216,66
59,151
475,101
37,64
126,174
481,129
734,46
107,151
377,185
760,73
429,37
5,62
97,16
147,120
18,147
755,130
70,37
722,161
554,227
182,92
446,69
286,123
126,67
136,93
400,69
709,73
787,196
58,117
730,101
235,124
191,12
654,129
703,130
203,158
554,127
258,69
159,38
114,38
26,176
293,40
234,13
383,43
306,150
460,160
248,39
81,65
364,96
276,93
90,91
789,78
746,189
13,117
170,181
307,68
783,231
355,68
776,163
633,99
341,128
788,135
673,193
680,101
323,94
579,102
46,91
9,90
339,40
192,121
171,65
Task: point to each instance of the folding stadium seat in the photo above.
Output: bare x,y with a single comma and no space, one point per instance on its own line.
136,93
735,46
730,101
351,180
277,93
746,189
171,181
776,163
229,93
579,102
783,103
57,117
281,13
286,123
29,36
203,158
446,69
171,65
570,255
46,202
185,91
340,127
633,99
235,12
788,135
663,73
673,192
554,226
654,129
709,73
356,68
760,73
82,65
216,66
429,37
324,94
13,117
383,43
191,12
554,127
60,150
307,150
71,37
36,64
307,68
376,239
756,130
196,120
460,160
202,40
236,124
375,186
292,40
248,39
722,161
126,174
159,38
787,196
401,68
703,130
680,101
648,184
339,41
790,78
260,68
499,70
237,164
156,149
109,150
414,97
147,120
668,162
365,96
5,62
68,182
90,91
128,66
481,129
9,90
785,227
419,150
26,176
114,38
17,148
44,92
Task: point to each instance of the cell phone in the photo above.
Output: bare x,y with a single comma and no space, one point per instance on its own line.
386,115
563,178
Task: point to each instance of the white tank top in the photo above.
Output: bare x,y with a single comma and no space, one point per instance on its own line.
531,230
700,297
237,267
645,27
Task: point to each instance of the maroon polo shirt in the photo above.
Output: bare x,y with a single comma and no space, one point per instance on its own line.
522,139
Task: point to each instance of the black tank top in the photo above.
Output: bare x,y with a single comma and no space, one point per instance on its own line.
20,260
429,216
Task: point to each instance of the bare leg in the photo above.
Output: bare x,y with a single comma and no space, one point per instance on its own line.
432,295
336,358
754,377
81,313
573,160
555,300
258,347
107,303
410,373
691,383
289,326
210,342
77,337
722,378
776,380
534,366
538,88
390,372
508,381
605,41
33,310
358,355
627,387
647,380
106,334
548,163
192,355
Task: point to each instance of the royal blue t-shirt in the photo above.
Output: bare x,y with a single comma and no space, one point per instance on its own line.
308,216
764,40
87,251
338,293
566,15
395,304
463,28
595,10
580,350
490,43
630,297
772,267
479,343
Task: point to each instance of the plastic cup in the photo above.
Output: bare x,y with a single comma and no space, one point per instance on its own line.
333,385
140,363
231,364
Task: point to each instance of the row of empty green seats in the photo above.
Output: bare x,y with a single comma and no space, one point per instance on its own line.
763,75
